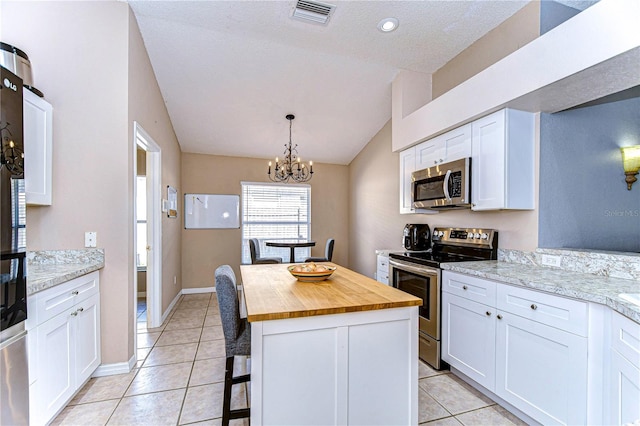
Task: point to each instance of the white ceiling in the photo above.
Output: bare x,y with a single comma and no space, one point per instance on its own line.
230,71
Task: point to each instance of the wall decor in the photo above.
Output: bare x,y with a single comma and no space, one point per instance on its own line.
172,196
211,211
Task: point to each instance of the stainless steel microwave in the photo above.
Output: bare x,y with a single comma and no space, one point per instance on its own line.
445,186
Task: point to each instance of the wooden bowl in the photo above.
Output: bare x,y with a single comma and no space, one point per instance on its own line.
311,276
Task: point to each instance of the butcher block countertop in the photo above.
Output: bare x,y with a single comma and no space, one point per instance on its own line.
272,293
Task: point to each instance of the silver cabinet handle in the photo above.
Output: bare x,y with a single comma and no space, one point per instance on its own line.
499,316
534,306
74,313
464,287
80,310
488,313
75,292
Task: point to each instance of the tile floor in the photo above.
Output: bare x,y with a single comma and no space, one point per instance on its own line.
178,380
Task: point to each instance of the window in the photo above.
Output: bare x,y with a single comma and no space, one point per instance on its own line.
18,214
275,212
141,221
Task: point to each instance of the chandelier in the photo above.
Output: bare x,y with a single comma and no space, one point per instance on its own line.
291,168
11,156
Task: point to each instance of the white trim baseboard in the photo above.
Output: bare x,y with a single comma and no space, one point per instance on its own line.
165,314
198,290
115,368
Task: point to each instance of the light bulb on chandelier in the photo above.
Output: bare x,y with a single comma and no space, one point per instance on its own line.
292,167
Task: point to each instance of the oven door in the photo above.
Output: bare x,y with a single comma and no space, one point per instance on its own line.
423,282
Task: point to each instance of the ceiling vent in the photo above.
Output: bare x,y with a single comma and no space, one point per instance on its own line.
313,11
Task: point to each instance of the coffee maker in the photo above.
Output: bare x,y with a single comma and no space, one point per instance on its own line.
416,237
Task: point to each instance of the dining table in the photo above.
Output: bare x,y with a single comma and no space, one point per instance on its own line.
292,246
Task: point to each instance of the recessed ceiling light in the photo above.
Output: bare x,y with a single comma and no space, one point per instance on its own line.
388,24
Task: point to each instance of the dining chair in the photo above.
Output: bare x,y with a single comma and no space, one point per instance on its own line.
328,253
254,248
237,338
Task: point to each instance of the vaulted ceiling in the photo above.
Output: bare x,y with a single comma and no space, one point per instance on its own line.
230,71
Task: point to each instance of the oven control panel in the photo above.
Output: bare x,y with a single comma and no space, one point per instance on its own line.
464,236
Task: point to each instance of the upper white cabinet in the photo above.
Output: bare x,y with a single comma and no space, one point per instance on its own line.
502,161
38,141
407,166
450,146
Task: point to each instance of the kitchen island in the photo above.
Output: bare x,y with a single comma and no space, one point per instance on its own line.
341,351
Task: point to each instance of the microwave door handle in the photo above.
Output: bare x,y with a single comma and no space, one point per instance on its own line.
445,185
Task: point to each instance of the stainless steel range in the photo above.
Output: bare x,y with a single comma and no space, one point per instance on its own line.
419,273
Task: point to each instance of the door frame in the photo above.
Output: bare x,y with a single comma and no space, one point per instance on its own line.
154,226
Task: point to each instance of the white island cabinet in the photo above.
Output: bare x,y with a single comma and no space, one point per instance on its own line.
64,343
528,348
342,351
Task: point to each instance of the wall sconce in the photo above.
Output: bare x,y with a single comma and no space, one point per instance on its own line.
631,163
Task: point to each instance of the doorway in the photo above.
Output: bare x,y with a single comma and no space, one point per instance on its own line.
147,231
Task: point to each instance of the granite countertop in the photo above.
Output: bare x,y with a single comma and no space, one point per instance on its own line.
46,269
586,287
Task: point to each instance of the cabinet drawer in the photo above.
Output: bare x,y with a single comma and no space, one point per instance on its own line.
383,263
625,338
559,312
382,276
472,288
51,302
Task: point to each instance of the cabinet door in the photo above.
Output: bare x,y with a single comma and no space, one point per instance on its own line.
541,370
87,338
469,338
56,364
488,162
625,390
38,141
407,166
457,143
430,153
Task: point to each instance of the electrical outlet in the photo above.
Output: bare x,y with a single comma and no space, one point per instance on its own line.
549,260
90,239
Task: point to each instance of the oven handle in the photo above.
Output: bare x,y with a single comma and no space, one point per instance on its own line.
424,270
445,185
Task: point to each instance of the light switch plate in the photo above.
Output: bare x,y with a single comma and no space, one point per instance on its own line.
90,239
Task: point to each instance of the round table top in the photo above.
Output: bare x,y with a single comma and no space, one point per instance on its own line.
291,244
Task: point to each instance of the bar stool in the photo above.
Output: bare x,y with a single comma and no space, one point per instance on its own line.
237,337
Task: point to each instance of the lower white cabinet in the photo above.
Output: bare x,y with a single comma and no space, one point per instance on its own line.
64,325
541,370
537,368
382,270
624,374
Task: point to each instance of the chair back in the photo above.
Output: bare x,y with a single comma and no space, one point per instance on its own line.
328,251
254,249
227,295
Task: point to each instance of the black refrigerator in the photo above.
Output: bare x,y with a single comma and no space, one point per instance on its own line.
14,375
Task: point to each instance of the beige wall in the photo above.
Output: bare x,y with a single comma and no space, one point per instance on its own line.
80,59
374,212
147,107
506,38
203,250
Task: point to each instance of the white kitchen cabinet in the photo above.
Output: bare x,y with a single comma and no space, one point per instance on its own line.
527,347
382,270
407,166
38,144
450,146
64,322
469,338
541,370
503,161
624,372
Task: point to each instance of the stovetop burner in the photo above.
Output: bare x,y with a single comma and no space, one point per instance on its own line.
455,245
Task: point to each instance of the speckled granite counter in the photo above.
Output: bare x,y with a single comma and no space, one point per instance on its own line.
46,269
587,287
